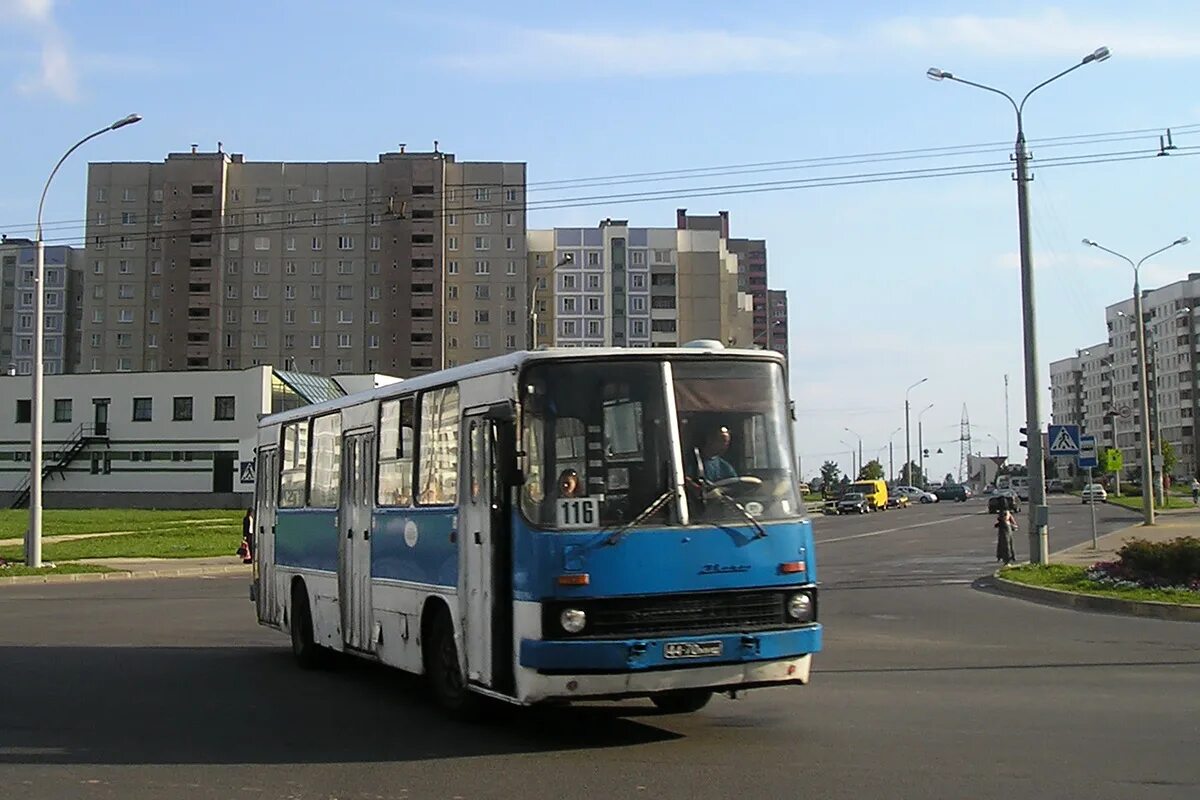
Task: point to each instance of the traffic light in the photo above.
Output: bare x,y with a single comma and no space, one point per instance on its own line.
1024,442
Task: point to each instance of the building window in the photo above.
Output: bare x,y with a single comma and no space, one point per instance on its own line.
345,268
452,316
62,410
182,409
569,305
637,257
315,341
510,218
344,340
482,341
345,316
483,243
482,316
483,219
635,281
511,195
125,315
483,268
345,243
593,328
483,193
260,315
224,407
143,408
451,242
451,267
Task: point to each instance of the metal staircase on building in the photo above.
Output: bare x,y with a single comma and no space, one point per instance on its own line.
58,461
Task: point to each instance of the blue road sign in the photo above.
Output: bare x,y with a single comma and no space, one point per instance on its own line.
1064,440
1087,452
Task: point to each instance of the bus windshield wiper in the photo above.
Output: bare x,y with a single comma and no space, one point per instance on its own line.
715,491
657,505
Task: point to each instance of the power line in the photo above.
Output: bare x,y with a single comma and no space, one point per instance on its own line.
681,194
714,171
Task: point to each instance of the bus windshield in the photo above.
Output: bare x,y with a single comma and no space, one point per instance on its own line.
598,449
733,424
595,435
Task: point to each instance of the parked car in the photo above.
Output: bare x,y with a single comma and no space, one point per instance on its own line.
897,500
1004,499
875,491
953,491
916,495
1093,492
1055,486
853,503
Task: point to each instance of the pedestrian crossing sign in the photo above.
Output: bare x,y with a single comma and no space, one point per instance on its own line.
1064,440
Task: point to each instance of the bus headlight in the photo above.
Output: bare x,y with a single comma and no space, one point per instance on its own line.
800,607
572,620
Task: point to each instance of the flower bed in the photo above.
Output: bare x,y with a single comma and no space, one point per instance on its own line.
1172,565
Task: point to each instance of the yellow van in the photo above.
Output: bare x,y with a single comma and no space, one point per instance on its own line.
875,491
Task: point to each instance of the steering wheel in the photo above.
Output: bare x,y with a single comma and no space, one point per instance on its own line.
742,484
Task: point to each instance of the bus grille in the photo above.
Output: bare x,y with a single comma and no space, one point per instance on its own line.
665,615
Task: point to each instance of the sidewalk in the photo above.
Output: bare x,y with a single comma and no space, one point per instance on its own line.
135,568
1168,525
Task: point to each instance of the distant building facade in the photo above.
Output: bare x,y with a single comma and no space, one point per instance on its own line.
207,261
63,294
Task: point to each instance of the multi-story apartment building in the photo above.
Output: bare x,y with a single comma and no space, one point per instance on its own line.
635,287
62,313
776,335
752,279
209,261
1099,387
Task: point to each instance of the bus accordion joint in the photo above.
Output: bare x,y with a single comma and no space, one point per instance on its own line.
791,567
579,579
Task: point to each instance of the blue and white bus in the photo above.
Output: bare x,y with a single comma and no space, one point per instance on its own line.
556,525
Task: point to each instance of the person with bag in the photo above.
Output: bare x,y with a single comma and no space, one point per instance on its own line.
246,551
1006,523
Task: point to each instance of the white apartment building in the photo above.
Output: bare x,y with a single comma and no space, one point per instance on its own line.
160,439
1098,388
635,287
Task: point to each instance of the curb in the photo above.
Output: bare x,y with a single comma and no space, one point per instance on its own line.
125,575
1090,602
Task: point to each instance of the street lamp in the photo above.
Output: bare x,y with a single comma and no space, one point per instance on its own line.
1039,512
568,258
768,334
891,458
33,537
1143,379
860,458
907,442
921,444
997,441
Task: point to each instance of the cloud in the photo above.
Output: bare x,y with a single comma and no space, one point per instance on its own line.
56,71
562,54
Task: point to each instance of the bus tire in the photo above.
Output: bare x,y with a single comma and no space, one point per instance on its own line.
682,701
440,654
308,654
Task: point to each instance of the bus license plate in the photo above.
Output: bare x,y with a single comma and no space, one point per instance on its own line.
691,649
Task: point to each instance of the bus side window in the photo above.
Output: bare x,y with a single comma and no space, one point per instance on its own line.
438,462
396,443
293,475
325,476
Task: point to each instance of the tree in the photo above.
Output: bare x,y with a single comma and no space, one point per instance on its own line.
829,473
918,478
871,471
1169,458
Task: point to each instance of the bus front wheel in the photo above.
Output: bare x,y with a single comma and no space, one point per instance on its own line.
443,670
682,701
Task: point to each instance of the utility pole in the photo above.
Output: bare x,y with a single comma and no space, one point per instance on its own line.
1007,428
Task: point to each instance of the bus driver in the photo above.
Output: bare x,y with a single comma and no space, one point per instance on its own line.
712,453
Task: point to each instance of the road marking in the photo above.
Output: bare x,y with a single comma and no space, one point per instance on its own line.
894,530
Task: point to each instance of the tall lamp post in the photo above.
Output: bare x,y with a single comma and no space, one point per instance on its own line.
568,258
1143,380
860,458
891,457
1038,510
907,438
849,447
33,537
921,444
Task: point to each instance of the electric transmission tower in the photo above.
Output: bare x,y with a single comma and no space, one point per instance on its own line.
964,446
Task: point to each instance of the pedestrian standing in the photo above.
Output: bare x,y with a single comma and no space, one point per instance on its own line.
1006,523
246,551
1195,492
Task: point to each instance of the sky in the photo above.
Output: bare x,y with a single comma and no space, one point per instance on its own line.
890,281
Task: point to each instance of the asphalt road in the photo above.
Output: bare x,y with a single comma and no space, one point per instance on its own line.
928,688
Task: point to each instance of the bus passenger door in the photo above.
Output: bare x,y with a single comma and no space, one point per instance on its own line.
266,489
475,525
354,567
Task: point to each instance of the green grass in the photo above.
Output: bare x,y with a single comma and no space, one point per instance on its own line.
1074,579
1135,502
177,542
13,522
813,497
20,570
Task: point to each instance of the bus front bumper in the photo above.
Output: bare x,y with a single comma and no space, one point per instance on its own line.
638,667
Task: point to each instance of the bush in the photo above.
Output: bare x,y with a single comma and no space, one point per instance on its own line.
1172,563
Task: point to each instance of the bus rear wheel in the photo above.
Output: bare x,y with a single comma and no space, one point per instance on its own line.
443,670
309,655
682,701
